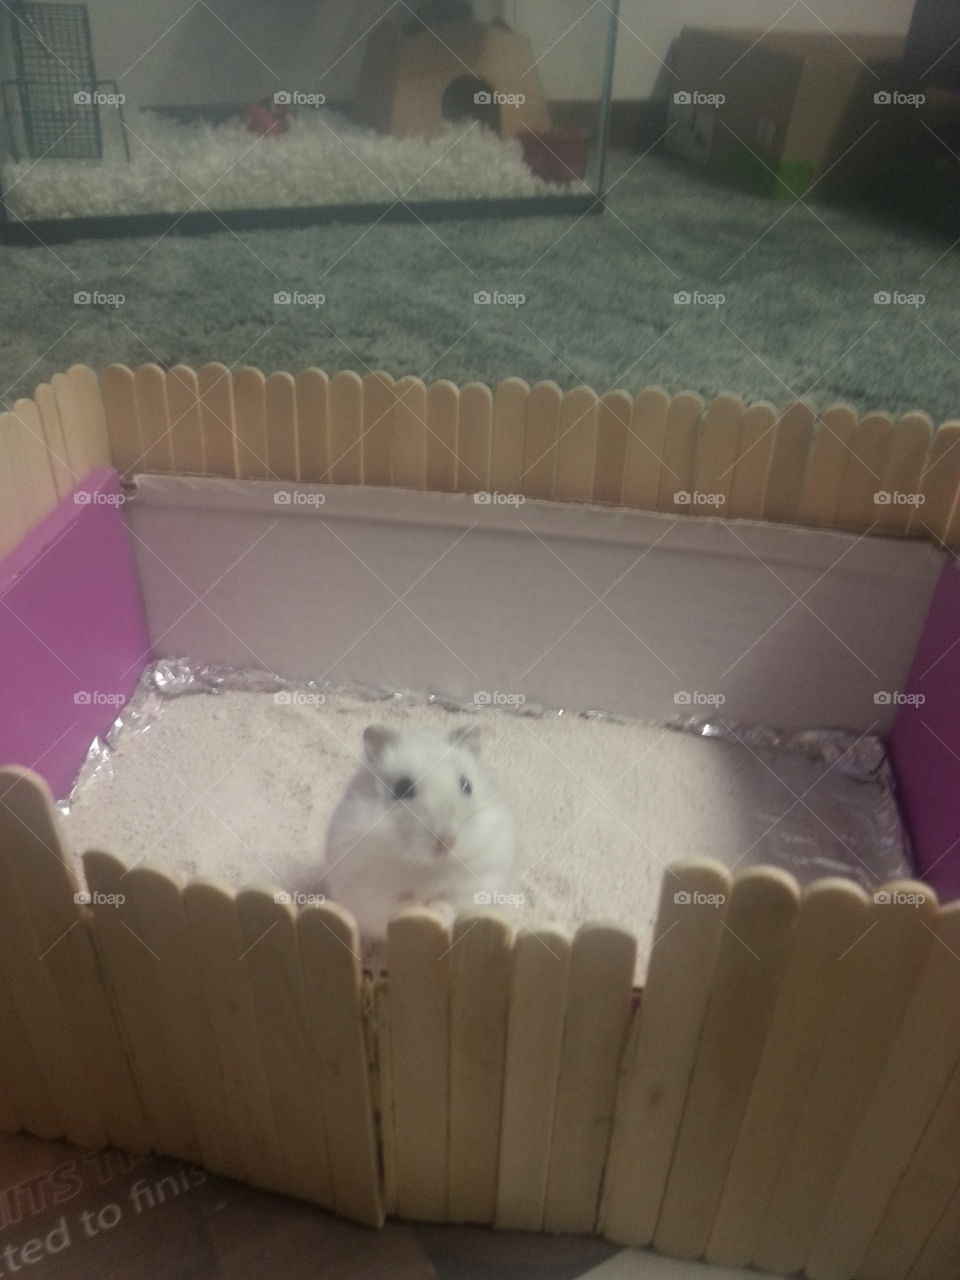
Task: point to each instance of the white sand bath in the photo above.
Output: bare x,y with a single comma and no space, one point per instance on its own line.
239,786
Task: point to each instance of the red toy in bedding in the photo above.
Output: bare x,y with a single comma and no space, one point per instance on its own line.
268,116
556,155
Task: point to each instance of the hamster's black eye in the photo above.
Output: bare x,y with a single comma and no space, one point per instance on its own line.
466,786
403,788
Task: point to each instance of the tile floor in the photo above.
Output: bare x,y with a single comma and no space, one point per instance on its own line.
67,1214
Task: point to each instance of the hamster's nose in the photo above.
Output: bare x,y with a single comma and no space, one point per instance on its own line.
443,842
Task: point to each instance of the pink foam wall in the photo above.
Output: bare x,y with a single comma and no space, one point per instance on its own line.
925,741
73,636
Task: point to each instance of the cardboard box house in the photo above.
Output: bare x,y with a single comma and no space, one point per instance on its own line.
773,110
411,82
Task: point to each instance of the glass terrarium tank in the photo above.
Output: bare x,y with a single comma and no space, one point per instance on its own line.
121,117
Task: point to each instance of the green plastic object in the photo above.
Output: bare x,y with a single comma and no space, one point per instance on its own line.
782,179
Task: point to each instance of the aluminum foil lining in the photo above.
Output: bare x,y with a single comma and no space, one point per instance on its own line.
865,838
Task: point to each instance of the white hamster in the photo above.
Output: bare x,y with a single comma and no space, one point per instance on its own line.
420,824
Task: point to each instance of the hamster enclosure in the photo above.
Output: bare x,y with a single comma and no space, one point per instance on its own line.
786,1088
407,111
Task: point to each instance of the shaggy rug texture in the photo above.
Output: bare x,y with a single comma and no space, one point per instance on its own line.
782,299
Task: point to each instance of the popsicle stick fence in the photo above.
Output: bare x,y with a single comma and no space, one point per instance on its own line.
785,1090
651,451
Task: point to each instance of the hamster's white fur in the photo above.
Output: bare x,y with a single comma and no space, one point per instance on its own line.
420,824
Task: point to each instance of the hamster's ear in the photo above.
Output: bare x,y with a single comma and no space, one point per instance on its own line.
376,739
467,736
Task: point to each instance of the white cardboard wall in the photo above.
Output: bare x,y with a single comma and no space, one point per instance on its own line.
572,606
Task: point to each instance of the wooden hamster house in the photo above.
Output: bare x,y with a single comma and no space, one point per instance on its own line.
786,1088
412,81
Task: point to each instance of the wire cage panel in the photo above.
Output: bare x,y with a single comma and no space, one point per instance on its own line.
56,81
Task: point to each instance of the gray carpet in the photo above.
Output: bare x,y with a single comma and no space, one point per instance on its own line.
799,315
